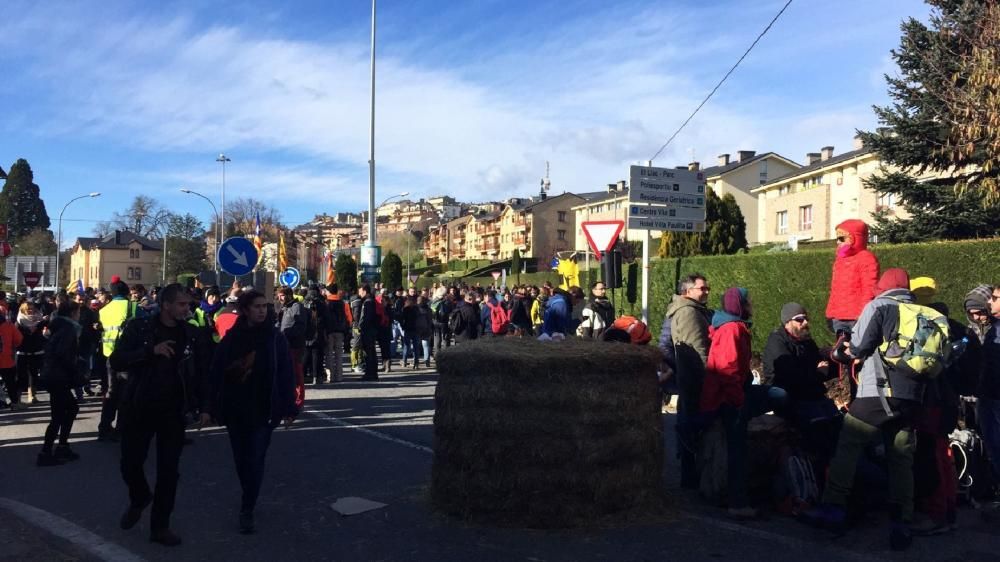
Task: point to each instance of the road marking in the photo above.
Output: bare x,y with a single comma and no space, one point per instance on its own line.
93,544
377,434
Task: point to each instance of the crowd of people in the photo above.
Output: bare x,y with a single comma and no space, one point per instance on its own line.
875,412
900,375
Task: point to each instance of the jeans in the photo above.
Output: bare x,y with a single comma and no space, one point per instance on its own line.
900,444
64,409
138,429
758,400
411,347
249,445
427,351
988,417
335,356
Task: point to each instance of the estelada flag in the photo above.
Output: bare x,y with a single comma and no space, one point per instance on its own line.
282,254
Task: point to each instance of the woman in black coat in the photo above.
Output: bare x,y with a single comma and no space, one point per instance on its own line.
252,390
59,372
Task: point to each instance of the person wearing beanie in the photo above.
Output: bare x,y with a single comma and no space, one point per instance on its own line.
988,389
855,272
728,394
792,362
886,405
978,307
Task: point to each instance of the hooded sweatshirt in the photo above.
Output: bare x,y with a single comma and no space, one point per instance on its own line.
855,275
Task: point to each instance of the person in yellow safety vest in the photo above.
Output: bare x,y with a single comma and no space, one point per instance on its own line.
113,317
204,316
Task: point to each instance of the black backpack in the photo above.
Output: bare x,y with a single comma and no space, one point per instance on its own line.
337,317
456,323
442,314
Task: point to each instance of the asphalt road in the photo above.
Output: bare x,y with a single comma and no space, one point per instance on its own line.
371,440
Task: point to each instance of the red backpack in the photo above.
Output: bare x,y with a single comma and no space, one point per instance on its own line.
383,318
499,319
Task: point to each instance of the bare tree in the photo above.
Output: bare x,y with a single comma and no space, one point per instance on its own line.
103,228
144,217
241,218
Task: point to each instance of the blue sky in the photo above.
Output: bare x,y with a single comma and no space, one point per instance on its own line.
472,97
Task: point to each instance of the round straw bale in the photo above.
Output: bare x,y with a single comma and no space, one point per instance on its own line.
547,434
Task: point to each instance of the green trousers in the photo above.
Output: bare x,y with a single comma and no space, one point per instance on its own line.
900,443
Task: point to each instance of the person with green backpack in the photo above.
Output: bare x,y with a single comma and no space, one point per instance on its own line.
898,347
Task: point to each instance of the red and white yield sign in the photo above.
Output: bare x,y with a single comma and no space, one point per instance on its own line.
601,235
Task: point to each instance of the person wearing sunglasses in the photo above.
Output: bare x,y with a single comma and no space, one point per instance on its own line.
854,279
792,361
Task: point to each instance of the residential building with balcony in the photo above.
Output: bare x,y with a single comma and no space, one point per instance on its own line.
539,228
742,176
810,202
607,205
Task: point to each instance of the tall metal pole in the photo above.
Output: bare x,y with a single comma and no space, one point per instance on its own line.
59,237
163,271
371,148
217,231
222,219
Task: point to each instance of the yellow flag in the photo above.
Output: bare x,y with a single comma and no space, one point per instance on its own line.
282,254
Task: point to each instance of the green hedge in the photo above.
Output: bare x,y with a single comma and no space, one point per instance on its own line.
804,277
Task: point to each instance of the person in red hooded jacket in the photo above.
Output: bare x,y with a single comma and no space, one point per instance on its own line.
855,276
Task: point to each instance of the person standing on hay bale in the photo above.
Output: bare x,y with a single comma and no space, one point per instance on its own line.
688,320
729,394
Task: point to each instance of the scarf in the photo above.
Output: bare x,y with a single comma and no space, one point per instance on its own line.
210,309
29,320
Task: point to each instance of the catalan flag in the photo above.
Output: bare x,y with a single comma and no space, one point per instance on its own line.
75,287
257,241
282,253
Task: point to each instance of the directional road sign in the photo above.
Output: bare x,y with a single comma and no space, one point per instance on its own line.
237,256
601,235
290,277
656,185
641,223
671,213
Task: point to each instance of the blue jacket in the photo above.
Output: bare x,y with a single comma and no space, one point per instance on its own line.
879,320
556,317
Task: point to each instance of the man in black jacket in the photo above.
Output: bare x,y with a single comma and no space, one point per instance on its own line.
368,325
165,357
470,323
792,362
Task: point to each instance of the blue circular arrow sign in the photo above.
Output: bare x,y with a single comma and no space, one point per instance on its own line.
290,278
237,256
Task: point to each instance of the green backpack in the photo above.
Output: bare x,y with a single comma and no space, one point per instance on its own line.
920,348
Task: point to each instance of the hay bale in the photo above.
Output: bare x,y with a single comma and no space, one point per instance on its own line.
547,434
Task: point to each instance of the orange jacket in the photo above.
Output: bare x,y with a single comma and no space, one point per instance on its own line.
10,340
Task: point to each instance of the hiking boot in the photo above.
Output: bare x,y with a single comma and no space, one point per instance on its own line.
247,526
48,459
900,537
108,435
133,514
827,516
926,526
742,513
166,537
63,452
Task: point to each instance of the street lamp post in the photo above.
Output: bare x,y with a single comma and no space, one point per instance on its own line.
370,256
223,158
218,233
59,236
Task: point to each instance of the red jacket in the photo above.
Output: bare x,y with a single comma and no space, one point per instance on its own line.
10,339
728,366
855,275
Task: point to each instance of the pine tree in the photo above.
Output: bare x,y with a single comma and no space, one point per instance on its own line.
945,119
515,265
392,270
21,207
347,273
725,231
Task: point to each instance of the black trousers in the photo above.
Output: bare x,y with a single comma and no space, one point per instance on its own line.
28,367
442,338
313,364
64,408
249,445
384,344
10,382
109,409
137,431
371,358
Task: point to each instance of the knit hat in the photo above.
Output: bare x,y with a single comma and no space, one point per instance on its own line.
734,301
894,278
978,298
791,310
116,279
923,289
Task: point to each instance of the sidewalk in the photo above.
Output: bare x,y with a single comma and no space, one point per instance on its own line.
20,540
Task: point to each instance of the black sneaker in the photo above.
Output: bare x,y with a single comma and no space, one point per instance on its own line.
246,523
900,537
166,537
48,459
108,436
63,452
133,514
